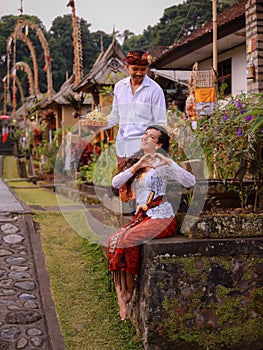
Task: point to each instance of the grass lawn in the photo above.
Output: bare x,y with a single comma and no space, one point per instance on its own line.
86,309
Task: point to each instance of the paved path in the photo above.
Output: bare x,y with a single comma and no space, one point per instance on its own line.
27,313
8,202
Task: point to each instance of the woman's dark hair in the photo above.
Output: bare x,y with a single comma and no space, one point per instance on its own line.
127,163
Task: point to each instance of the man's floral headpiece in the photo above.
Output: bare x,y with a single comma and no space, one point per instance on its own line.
138,58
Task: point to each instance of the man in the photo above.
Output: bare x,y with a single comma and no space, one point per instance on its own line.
138,102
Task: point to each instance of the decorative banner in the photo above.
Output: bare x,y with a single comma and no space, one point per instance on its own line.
205,100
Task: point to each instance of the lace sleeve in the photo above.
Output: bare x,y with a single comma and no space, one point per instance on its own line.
179,174
119,180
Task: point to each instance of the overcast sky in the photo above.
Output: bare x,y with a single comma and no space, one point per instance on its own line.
134,15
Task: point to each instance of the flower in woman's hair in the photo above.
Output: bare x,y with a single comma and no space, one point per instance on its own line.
248,118
239,132
225,117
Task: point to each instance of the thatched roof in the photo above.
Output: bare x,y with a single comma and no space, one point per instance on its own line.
65,94
108,69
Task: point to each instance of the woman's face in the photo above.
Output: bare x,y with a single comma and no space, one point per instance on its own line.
149,141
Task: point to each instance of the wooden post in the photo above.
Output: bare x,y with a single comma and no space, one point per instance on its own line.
5,95
214,35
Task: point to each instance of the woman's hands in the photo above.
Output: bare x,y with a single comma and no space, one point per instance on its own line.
160,160
145,161
154,160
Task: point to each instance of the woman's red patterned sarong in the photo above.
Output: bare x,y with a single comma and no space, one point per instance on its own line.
123,247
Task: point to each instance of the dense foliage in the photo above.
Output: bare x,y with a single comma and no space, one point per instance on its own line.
7,26
232,136
61,46
176,22
60,42
230,142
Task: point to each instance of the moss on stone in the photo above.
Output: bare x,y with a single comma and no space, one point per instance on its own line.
233,319
223,226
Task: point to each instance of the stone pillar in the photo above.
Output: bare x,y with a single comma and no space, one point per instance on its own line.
254,40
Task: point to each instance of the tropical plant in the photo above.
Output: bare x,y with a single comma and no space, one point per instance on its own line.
46,152
232,140
76,103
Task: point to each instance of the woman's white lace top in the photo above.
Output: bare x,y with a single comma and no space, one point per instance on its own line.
156,180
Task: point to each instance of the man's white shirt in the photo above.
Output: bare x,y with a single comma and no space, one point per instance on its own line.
135,112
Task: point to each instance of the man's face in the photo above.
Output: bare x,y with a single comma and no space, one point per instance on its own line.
137,73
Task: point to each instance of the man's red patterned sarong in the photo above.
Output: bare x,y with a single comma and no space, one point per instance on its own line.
123,247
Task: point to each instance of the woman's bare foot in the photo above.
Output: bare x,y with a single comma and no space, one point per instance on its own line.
123,309
124,294
123,304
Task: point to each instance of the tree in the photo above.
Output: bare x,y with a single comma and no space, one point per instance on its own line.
61,49
7,27
141,41
97,41
126,34
60,42
177,22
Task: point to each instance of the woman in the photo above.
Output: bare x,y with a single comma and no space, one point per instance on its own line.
148,173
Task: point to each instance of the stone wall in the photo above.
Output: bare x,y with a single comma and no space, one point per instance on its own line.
225,226
200,294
